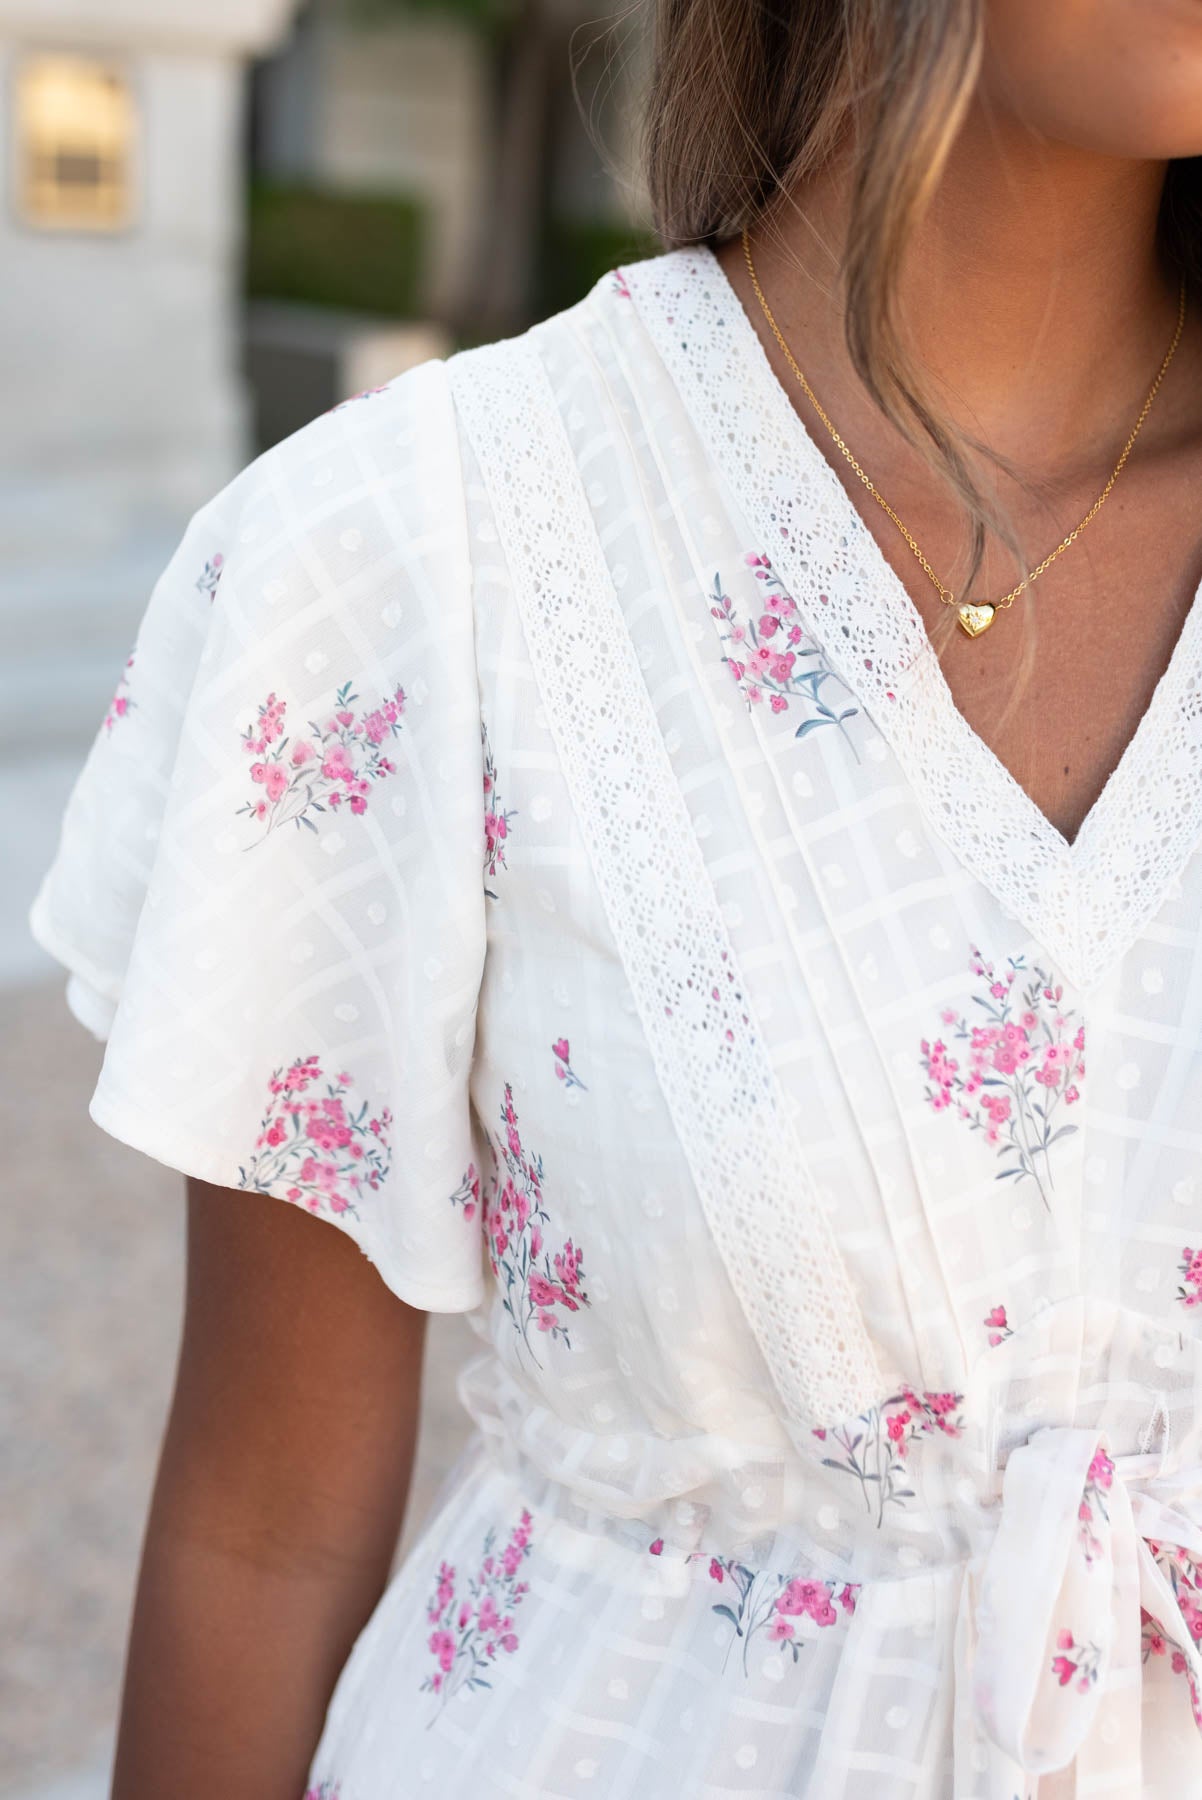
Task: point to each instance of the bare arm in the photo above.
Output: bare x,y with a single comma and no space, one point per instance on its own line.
277,1504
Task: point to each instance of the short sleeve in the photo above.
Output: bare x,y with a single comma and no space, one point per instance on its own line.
268,885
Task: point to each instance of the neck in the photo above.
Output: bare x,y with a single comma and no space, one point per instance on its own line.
1032,295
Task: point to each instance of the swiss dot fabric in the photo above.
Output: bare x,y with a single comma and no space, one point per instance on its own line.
534,833
332,943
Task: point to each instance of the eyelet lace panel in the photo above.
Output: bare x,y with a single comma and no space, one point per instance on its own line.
773,1235
1085,902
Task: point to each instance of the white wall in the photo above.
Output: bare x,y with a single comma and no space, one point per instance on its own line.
121,404
116,349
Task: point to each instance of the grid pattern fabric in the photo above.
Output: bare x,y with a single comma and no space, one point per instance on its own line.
522,836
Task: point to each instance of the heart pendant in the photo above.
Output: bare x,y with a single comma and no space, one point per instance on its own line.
974,619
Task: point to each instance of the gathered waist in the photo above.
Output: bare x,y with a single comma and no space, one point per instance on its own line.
1071,1568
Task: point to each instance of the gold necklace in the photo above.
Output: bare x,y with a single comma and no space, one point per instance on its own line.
977,616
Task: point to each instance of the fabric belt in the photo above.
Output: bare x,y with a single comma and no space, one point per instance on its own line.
1074,1596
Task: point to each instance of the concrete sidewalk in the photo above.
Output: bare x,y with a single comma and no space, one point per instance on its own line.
90,1286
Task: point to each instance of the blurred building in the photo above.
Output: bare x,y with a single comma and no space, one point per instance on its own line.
390,103
430,160
122,401
219,216
223,216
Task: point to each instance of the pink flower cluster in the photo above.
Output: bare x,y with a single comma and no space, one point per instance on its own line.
210,576
1190,1270
761,1602
325,1790
316,1150
874,1444
563,1067
469,1630
496,817
1092,1507
769,656
921,1414
1184,1576
537,1288
338,762
996,1325
1076,1662
120,703
1023,1063
1153,1642
467,1194
810,1600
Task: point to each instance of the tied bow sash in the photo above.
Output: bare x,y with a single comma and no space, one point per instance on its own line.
1074,1566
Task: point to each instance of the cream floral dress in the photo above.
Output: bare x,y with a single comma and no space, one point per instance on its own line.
533,833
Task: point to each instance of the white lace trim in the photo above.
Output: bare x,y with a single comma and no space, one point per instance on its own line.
1085,902
774,1237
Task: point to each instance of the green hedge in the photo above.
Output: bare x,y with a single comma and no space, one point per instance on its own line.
576,253
358,251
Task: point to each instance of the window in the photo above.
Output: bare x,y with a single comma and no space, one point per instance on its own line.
75,139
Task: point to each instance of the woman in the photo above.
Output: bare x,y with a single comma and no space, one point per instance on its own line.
792,1066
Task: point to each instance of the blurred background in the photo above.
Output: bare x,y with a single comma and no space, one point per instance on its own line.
221,217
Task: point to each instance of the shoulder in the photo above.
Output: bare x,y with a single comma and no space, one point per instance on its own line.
382,478
343,521
407,436
389,452
561,348
415,413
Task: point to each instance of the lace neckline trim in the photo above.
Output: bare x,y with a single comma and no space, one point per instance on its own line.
735,1128
1086,901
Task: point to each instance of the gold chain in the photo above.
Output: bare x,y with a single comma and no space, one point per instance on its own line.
974,617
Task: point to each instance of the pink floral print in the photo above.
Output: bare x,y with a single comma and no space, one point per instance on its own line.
1190,1270
1155,1642
563,1068
619,284
1184,1576
539,1290
325,1790
496,817
874,1445
210,576
1075,1662
770,656
761,1604
467,1194
996,1325
469,1629
337,762
773,1606
315,1147
1078,1663
1098,1483
120,703
1024,1061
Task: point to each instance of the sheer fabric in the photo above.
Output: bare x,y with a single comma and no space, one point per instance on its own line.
534,833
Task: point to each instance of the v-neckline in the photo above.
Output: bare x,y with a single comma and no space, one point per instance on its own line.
1085,900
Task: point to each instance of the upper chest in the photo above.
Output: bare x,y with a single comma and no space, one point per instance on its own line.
1059,685
737,904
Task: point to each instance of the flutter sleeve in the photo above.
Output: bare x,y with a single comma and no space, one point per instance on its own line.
268,887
